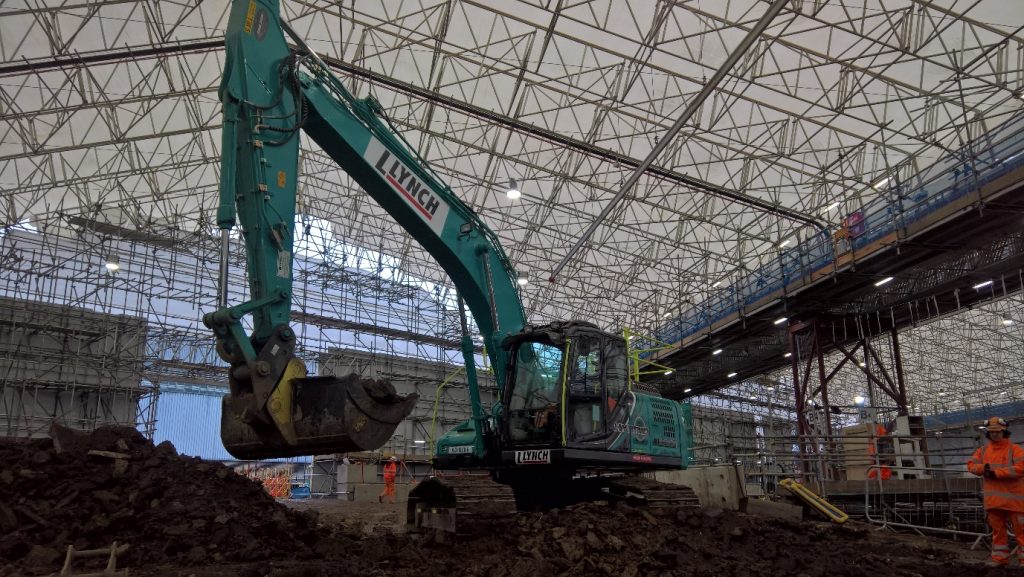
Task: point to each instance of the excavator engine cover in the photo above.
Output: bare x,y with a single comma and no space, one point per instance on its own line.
328,414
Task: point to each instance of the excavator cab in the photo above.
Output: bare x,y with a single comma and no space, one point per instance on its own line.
567,389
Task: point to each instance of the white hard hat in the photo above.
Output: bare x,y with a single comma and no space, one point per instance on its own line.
394,458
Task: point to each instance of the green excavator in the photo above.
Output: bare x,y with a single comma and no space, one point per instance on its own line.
566,412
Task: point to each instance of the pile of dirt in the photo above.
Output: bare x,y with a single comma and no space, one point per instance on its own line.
600,539
89,490
596,539
186,517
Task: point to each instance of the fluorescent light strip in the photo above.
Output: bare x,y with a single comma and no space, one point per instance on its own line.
982,285
884,281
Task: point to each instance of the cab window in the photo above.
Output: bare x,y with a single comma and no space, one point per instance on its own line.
533,406
616,372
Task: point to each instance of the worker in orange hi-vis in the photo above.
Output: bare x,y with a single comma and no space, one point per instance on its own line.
878,471
1001,463
390,470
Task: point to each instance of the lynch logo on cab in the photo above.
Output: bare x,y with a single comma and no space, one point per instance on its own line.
536,457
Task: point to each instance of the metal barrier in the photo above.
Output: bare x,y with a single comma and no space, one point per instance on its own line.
943,501
907,482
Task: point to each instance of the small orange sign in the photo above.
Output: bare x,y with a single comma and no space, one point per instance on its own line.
281,179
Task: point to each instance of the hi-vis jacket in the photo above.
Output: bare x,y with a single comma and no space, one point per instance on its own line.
390,468
1006,491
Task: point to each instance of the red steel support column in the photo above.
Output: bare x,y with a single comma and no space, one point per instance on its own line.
901,402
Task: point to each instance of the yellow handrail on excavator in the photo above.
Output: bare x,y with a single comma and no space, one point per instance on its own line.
814,500
635,354
437,397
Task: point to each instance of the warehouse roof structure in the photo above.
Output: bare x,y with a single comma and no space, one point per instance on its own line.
110,134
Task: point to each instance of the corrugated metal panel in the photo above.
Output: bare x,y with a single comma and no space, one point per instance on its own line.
189,417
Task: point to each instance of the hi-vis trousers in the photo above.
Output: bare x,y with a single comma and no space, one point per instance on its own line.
998,519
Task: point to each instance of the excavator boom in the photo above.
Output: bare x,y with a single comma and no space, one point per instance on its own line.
270,93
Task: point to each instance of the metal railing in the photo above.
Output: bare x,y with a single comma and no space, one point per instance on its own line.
946,502
898,205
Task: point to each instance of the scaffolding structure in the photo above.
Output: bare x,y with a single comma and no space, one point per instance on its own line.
109,150
61,283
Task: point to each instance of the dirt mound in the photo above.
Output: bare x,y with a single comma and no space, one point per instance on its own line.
89,490
597,539
182,516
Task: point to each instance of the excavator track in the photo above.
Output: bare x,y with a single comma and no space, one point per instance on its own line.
434,504
480,497
643,491
473,498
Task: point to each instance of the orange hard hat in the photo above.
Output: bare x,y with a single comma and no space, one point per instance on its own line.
995,424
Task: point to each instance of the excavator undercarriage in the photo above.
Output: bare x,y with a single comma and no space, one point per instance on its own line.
448,505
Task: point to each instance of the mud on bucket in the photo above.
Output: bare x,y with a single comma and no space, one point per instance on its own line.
331,415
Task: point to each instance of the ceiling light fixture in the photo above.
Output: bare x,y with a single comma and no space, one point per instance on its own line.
787,355
781,320
884,281
513,192
832,206
113,263
668,372
716,351
731,375
717,284
687,390
858,400
1007,322
862,364
878,185
784,243
982,285
522,278
666,315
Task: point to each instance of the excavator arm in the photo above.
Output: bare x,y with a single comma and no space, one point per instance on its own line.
270,93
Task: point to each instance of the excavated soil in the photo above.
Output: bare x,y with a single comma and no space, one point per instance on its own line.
185,517
114,485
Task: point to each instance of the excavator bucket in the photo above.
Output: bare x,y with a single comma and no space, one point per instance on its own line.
327,415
